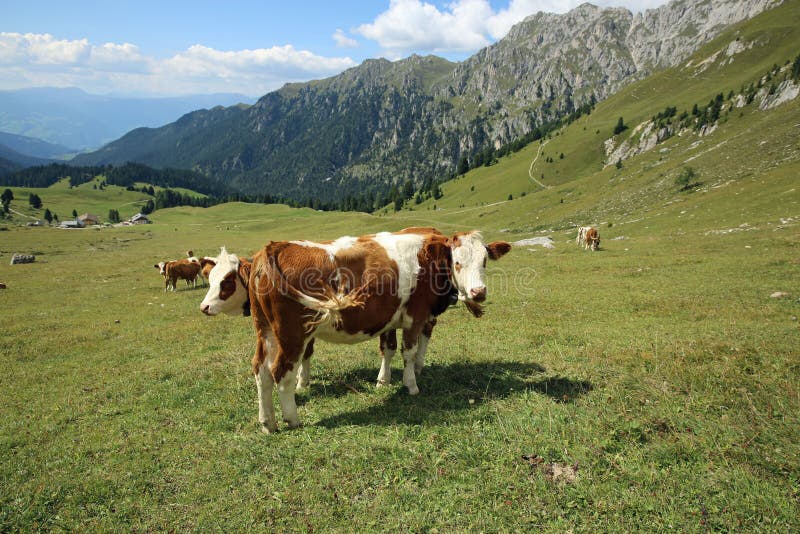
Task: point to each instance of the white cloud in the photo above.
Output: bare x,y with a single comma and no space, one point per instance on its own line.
462,25
41,59
343,41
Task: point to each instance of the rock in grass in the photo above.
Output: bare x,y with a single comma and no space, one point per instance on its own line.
22,258
546,242
779,295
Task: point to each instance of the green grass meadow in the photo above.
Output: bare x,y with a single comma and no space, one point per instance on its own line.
659,365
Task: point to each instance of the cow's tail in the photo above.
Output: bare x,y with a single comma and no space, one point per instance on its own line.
327,307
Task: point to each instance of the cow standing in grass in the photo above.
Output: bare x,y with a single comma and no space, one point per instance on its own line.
343,291
588,237
178,270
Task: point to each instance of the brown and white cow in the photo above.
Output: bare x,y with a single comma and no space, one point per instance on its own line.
469,265
342,291
588,237
178,269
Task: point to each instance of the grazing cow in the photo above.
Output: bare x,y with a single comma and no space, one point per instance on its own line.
591,239
180,269
342,291
579,240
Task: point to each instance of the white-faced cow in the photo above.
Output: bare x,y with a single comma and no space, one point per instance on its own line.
469,265
342,291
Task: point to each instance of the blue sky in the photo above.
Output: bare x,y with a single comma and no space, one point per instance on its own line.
173,47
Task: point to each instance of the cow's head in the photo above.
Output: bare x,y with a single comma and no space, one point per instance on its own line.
469,266
227,281
161,266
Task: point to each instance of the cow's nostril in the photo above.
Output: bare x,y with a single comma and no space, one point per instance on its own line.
205,309
478,294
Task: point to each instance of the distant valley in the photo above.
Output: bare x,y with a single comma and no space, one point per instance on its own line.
79,121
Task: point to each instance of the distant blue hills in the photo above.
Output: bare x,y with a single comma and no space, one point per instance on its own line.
75,120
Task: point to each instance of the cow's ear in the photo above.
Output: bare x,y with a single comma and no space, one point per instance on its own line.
206,261
498,249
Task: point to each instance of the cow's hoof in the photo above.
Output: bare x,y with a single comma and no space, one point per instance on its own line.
381,384
267,429
292,424
301,386
413,391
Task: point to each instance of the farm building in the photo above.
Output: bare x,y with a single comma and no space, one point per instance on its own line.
71,224
89,219
139,218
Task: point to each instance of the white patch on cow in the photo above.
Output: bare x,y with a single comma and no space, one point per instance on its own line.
469,264
212,303
331,248
404,250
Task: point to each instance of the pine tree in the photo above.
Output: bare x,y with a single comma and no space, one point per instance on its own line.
48,216
620,127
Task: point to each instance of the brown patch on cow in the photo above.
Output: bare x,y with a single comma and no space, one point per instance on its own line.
433,281
388,341
498,249
227,286
427,330
419,230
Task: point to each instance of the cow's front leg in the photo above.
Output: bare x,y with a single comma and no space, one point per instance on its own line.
264,382
422,345
410,344
305,367
388,348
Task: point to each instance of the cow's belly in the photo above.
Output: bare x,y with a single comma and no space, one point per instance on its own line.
349,334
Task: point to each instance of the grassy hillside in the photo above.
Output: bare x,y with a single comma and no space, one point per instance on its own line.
772,38
85,198
659,367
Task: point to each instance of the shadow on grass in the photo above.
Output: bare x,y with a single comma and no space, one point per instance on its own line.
446,391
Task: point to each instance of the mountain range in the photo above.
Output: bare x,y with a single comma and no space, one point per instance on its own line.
383,123
78,120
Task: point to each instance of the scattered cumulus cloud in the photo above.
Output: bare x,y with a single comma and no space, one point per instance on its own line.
41,59
343,41
462,26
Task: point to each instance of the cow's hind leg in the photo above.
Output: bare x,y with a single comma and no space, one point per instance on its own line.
305,367
265,347
388,348
284,372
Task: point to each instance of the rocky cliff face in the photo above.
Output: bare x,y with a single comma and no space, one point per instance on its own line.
382,123
548,64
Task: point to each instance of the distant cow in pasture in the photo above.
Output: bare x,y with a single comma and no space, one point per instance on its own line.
178,269
588,237
343,291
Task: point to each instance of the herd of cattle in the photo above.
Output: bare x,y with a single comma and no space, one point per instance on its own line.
343,291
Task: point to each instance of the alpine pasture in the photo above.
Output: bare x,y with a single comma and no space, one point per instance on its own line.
659,367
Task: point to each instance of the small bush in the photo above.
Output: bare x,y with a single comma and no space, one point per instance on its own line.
686,180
